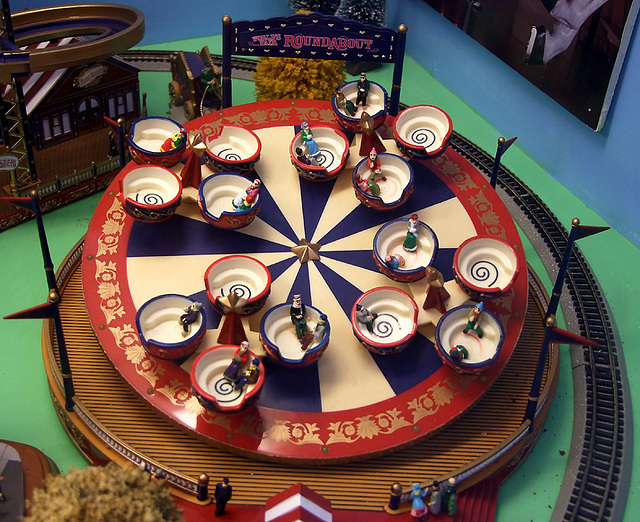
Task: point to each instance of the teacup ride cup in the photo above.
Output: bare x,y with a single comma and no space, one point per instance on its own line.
150,193
385,320
480,352
217,393
331,159
216,196
244,276
393,185
164,329
151,141
235,150
422,131
485,267
411,266
377,106
280,342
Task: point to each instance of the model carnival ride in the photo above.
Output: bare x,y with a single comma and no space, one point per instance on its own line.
500,458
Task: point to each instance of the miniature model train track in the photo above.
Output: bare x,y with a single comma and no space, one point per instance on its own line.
597,479
152,60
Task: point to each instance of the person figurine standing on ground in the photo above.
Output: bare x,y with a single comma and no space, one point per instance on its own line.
435,499
411,240
449,502
418,507
363,86
222,495
473,321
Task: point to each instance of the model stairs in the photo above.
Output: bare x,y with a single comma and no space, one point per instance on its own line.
13,99
478,503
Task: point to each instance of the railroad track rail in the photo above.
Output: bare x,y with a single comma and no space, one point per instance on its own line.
153,60
596,482
597,479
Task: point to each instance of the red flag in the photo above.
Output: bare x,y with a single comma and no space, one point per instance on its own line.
43,311
24,202
506,144
586,231
112,124
558,335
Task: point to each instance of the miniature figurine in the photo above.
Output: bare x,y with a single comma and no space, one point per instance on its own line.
207,75
473,321
307,139
449,503
374,162
343,103
372,186
418,507
366,317
435,499
191,315
362,183
298,319
113,146
320,327
394,261
302,157
411,241
363,86
245,200
174,142
436,292
459,352
250,376
240,359
222,495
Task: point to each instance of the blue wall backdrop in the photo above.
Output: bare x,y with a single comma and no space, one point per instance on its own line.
599,168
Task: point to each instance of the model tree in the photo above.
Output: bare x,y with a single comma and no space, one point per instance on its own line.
277,78
103,494
372,12
281,78
316,6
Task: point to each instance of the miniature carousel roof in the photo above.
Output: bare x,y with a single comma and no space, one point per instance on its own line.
38,85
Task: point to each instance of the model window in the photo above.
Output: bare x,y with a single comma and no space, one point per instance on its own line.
111,101
55,124
82,112
130,105
46,129
66,123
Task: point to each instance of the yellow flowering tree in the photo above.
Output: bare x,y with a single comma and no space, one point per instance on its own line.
277,78
305,78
